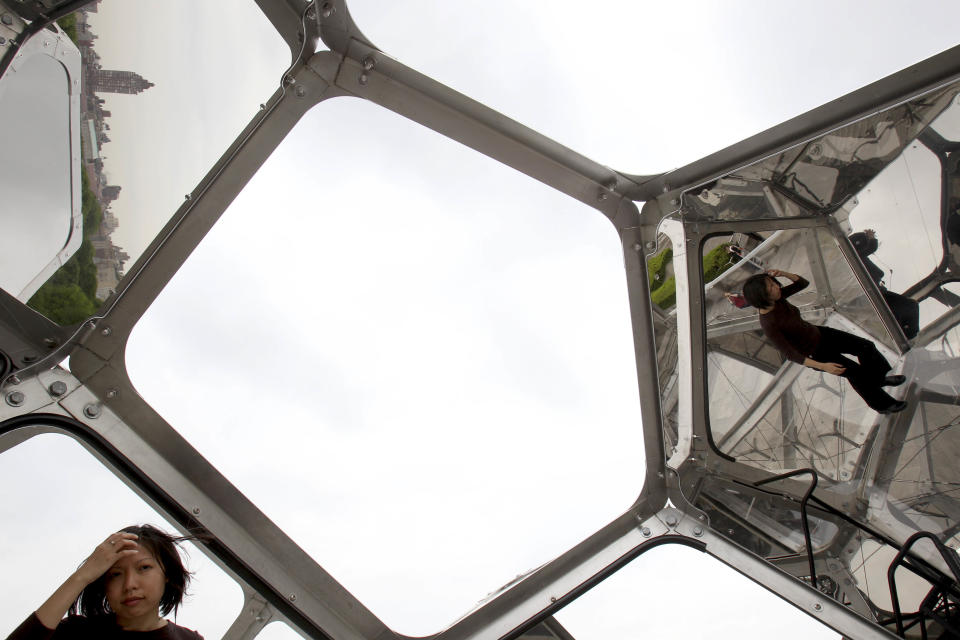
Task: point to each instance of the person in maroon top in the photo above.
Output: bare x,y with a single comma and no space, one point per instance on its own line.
130,581
821,348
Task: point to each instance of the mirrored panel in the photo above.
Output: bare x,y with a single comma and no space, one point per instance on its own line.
426,358
36,213
58,503
158,106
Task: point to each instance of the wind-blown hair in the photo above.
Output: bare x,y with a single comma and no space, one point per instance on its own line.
92,601
755,291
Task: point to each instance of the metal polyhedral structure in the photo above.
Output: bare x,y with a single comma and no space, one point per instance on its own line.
769,467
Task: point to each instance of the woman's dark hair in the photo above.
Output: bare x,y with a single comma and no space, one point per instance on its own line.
93,599
755,291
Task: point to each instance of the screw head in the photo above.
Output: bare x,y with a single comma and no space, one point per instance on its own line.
111,394
6,19
646,532
698,531
817,606
672,520
364,78
107,330
196,511
92,411
292,597
58,388
16,398
369,62
300,91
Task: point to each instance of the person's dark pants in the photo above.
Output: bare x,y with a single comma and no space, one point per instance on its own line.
866,377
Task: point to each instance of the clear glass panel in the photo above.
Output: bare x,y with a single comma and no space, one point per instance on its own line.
58,503
663,293
764,410
676,592
158,107
36,214
433,358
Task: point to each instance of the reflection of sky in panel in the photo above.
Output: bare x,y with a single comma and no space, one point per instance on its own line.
455,351
74,503
35,214
212,64
902,205
662,595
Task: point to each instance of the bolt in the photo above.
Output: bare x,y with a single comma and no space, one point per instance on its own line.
187,197
327,9
111,394
729,532
602,195
196,511
672,520
292,597
6,19
300,91
637,247
553,598
92,411
674,202
262,106
698,531
3,40
15,398
13,380
58,388
28,358
817,606
651,245
46,43
106,331
288,80
646,532
363,78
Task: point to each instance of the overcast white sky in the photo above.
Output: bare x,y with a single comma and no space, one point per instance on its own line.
414,360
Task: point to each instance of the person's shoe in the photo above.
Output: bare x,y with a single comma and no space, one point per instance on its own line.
896,407
894,381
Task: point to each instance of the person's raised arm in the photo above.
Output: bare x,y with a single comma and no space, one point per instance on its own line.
106,554
798,283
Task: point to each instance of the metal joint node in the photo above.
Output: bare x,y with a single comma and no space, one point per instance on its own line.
16,398
92,411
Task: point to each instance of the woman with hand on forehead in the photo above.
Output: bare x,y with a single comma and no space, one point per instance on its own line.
123,590
819,347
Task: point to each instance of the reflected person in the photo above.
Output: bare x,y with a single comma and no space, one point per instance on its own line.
820,348
122,590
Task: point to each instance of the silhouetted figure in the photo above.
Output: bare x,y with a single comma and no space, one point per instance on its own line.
905,310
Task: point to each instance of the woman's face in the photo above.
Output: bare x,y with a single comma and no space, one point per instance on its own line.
134,587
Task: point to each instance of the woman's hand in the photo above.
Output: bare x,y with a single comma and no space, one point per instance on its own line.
106,554
826,367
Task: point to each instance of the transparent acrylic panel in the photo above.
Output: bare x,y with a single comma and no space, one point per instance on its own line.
58,503
585,103
765,410
165,91
35,213
434,351
676,592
